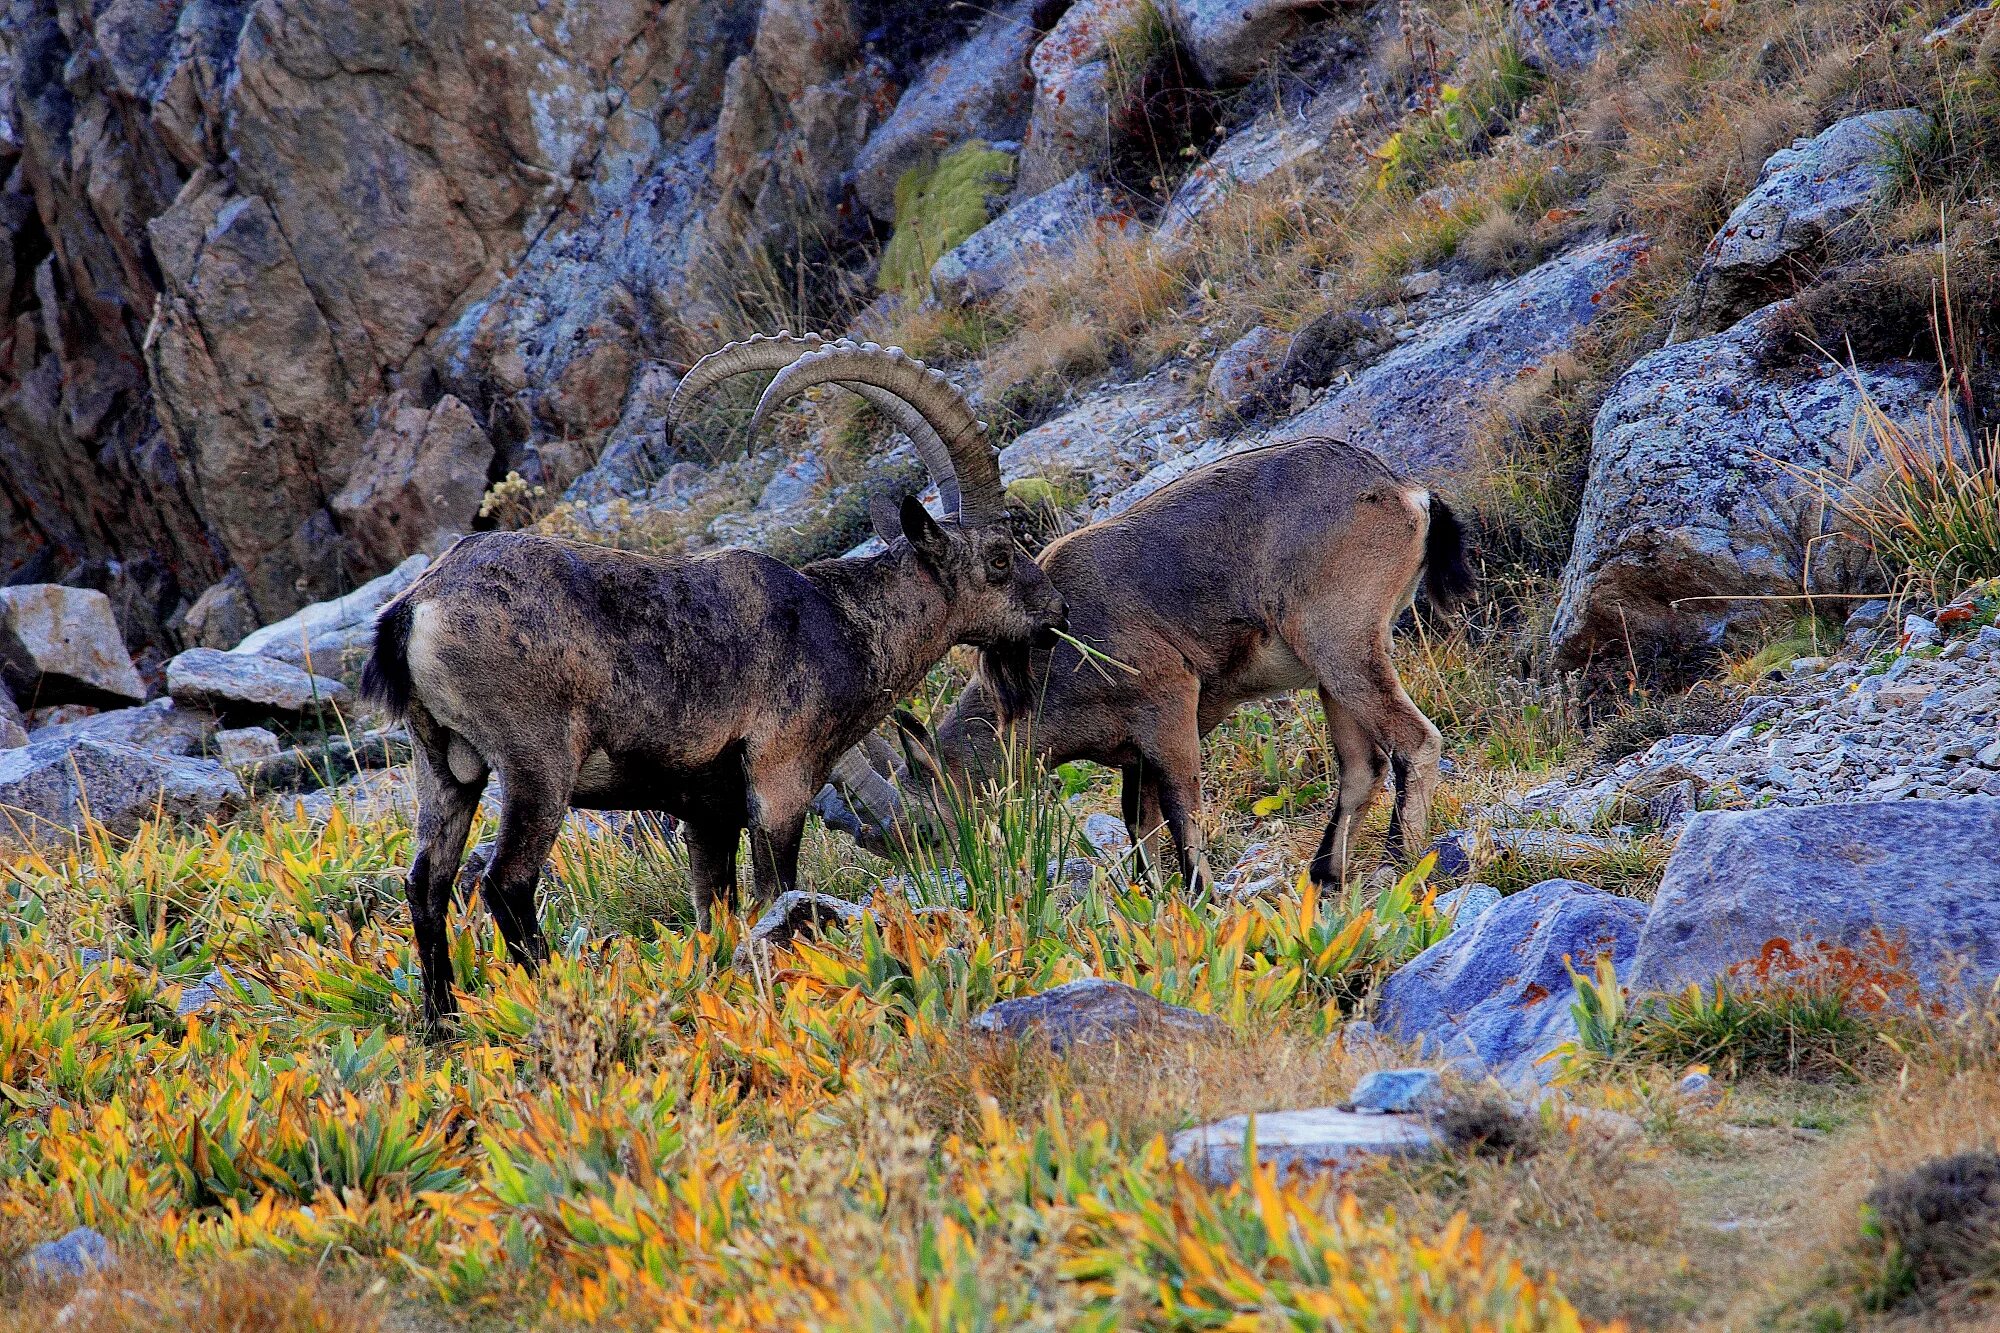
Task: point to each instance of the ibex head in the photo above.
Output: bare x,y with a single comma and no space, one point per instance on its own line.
997,593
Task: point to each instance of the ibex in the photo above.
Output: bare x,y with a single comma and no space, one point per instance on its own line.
720,687
1269,571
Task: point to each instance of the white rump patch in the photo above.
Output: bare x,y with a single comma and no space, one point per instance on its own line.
1421,498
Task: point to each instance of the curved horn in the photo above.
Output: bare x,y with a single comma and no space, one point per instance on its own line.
774,351
928,393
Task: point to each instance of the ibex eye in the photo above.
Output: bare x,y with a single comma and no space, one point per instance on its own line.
1000,563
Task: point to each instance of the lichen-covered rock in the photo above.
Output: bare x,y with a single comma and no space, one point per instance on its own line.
1044,226
61,645
1909,887
1323,1141
1091,1010
1417,405
1247,365
981,89
1270,144
1703,483
13,727
75,1254
55,782
1067,128
1231,40
248,685
1496,994
419,478
1803,196
1397,1092
1566,32
161,726
245,745
1112,436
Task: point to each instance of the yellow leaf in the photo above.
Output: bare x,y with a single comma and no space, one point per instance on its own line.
1270,805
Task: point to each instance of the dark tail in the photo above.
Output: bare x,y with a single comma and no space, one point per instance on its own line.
1448,574
386,677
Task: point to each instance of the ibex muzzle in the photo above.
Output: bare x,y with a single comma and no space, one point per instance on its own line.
720,688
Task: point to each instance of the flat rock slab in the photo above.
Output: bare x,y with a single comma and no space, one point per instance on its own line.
286,639
1091,1010
62,645
1326,1140
161,726
55,782
1051,224
245,684
1495,994
1923,873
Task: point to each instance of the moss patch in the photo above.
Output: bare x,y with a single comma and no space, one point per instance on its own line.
936,208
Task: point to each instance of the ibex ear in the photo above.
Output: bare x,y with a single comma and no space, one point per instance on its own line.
882,517
926,537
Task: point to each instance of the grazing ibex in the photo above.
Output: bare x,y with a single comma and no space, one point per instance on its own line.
720,687
1266,572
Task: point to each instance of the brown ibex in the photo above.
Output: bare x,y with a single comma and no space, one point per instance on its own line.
721,688
1269,571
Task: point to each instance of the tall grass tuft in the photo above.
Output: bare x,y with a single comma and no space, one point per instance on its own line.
1934,521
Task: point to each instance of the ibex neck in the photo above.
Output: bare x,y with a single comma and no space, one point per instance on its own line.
901,619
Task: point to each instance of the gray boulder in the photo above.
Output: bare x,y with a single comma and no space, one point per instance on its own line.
1091,1010
75,1254
420,478
1566,33
62,645
1111,437
1920,872
1417,405
287,639
1496,994
54,782
792,915
1701,483
161,726
13,727
247,685
1272,143
1231,40
245,745
1049,225
979,89
222,615
1323,1141
1804,195
1066,127
1397,1092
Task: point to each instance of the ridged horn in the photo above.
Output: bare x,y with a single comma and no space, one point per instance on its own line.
961,435
774,351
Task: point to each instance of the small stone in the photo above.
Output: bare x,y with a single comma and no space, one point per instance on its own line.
1396,1092
793,914
78,1253
1453,852
202,993
1324,1141
1090,1010
1868,615
245,745
1107,834
1699,1089
1466,905
1921,632
1423,284
1808,666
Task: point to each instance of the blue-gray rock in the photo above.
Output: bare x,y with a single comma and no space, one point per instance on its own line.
793,914
248,685
1566,32
1922,872
121,786
1322,1141
1467,904
1496,995
979,89
62,645
1091,1010
1703,483
78,1253
1418,405
1804,195
1454,853
161,726
1231,40
1107,834
1397,1092
288,639
1049,225
202,993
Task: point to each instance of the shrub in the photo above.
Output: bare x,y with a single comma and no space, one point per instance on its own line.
1934,1226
